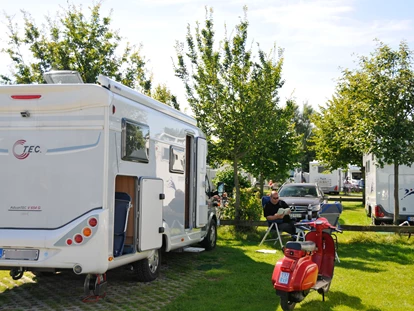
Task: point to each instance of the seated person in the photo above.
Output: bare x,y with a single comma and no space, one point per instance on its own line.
284,222
224,199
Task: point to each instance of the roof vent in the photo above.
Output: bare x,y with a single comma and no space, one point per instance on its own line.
62,77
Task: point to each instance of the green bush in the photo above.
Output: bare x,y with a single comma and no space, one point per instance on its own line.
227,177
250,206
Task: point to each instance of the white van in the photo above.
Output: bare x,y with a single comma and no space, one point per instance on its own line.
98,176
379,192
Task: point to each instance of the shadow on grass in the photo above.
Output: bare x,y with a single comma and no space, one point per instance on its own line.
361,255
334,299
224,279
235,281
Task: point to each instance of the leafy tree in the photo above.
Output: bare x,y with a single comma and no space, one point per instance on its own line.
373,112
304,129
227,176
164,95
389,77
74,41
280,151
232,96
335,138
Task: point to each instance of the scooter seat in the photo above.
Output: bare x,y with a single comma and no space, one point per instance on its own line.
307,246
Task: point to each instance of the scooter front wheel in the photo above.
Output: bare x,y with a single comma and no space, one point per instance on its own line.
288,300
286,304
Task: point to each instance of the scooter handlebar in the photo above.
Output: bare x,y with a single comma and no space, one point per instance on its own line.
307,225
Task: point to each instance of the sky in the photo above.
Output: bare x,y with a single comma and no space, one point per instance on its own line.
319,38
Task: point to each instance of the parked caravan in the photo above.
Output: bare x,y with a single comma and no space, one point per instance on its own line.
98,176
353,177
354,174
379,192
329,182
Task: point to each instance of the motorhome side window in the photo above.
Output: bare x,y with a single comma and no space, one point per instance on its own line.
135,141
177,160
321,169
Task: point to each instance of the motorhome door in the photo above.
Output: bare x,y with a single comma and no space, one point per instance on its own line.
201,170
151,192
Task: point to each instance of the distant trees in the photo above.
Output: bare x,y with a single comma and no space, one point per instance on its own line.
304,128
235,100
335,140
74,41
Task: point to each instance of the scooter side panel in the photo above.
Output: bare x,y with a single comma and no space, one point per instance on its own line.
328,261
310,275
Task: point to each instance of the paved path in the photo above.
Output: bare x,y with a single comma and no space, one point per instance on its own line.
64,291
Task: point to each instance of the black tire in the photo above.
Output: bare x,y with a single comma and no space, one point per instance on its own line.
286,304
210,241
16,275
148,269
368,211
374,221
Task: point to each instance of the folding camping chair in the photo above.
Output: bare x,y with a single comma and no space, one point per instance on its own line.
272,225
332,212
122,206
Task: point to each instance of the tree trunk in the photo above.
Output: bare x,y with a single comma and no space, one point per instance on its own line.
237,186
261,180
396,199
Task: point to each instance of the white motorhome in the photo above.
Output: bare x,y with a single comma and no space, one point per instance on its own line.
353,174
98,176
379,192
329,182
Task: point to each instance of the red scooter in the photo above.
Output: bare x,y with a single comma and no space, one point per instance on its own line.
306,264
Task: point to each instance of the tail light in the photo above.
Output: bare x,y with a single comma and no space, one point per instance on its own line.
93,222
336,188
78,238
81,234
378,211
29,96
87,232
289,264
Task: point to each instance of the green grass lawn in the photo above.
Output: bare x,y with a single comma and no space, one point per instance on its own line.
375,273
